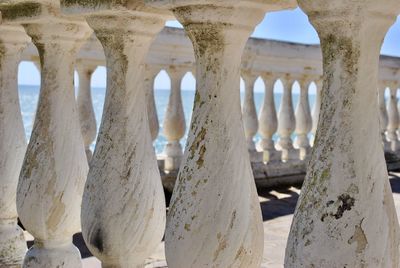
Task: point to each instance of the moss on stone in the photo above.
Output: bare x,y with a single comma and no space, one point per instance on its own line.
20,10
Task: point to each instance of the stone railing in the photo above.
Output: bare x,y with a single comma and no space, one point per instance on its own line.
172,51
345,216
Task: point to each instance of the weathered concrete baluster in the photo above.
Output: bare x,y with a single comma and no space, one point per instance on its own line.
268,121
85,106
316,109
123,207
394,120
345,216
286,122
249,111
174,126
54,170
383,115
149,78
12,145
214,218
303,120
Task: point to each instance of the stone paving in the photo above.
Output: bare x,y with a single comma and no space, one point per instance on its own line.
277,206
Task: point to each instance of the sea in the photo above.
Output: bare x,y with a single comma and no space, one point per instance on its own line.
29,95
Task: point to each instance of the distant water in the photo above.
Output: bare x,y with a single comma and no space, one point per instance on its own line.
29,97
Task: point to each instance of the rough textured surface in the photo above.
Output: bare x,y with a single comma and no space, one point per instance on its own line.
55,167
214,219
345,216
12,145
123,208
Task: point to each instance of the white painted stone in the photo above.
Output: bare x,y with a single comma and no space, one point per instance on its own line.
303,119
214,218
174,125
123,207
55,166
394,120
87,117
149,78
286,121
316,109
345,216
268,121
249,111
12,145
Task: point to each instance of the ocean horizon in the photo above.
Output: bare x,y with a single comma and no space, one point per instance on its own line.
29,94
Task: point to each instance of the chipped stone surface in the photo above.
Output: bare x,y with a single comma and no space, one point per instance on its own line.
12,145
345,216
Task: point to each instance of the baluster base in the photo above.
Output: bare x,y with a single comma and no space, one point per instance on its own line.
173,156
12,244
52,254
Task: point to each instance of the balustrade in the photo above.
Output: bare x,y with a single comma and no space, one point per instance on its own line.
214,170
303,119
316,109
287,121
87,117
55,167
345,216
383,115
393,119
123,193
268,121
149,77
174,126
12,145
249,111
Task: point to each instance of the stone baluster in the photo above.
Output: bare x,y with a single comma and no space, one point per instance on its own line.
303,120
85,106
54,169
174,126
268,121
12,145
345,216
383,115
394,120
123,207
316,109
249,111
149,78
286,121
214,218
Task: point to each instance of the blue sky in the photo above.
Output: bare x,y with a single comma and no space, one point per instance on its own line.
289,25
